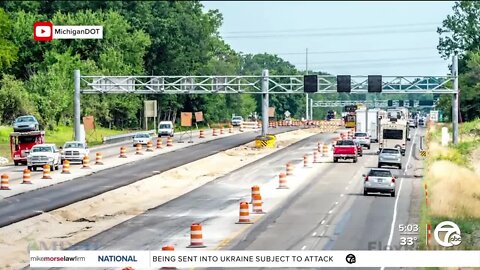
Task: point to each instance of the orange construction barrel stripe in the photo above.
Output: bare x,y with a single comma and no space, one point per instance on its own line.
27,177
196,236
46,172
66,167
4,184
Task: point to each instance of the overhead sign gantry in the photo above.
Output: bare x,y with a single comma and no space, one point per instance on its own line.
265,85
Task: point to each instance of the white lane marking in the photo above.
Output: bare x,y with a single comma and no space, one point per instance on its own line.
336,203
314,233
392,227
304,247
331,211
341,195
323,233
346,187
323,222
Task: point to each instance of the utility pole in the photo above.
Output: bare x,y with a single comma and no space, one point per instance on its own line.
76,104
311,109
455,102
265,82
306,95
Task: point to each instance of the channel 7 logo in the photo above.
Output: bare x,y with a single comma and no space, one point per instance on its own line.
42,31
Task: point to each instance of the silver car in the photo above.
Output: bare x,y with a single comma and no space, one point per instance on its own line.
362,138
25,123
379,180
390,157
142,138
237,121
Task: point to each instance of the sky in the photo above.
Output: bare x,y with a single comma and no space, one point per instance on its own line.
352,38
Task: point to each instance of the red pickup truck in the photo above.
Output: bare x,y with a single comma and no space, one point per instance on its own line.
345,149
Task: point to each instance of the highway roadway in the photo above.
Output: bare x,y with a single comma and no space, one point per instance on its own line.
28,204
108,151
167,223
333,213
328,211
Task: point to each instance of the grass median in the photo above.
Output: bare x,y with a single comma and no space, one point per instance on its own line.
452,176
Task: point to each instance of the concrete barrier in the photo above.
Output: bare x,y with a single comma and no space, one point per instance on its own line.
123,137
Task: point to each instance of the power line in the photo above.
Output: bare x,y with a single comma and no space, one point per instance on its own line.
331,28
426,30
373,60
319,66
357,51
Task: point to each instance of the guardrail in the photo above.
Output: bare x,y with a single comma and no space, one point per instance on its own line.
123,137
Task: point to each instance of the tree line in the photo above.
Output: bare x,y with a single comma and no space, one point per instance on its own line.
168,38
140,38
459,34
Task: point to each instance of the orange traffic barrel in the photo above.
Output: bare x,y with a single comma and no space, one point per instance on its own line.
169,141
429,233
138,149
320,147
316,158
196,236
255,191
306,161
168,248
221,130
159,143
282,181
214,132
257,204
244,214
66,167
289,168
149,146
230,129
201,134
98,158
326,149
86,162
46,172
26,177
4,182
123,152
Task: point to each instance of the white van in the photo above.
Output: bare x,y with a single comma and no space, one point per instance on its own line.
166,128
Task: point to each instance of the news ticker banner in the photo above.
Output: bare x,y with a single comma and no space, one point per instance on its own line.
253,258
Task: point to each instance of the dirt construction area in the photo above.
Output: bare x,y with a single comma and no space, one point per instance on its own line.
69,225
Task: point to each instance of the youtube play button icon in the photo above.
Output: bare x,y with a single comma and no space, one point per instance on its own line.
42,31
